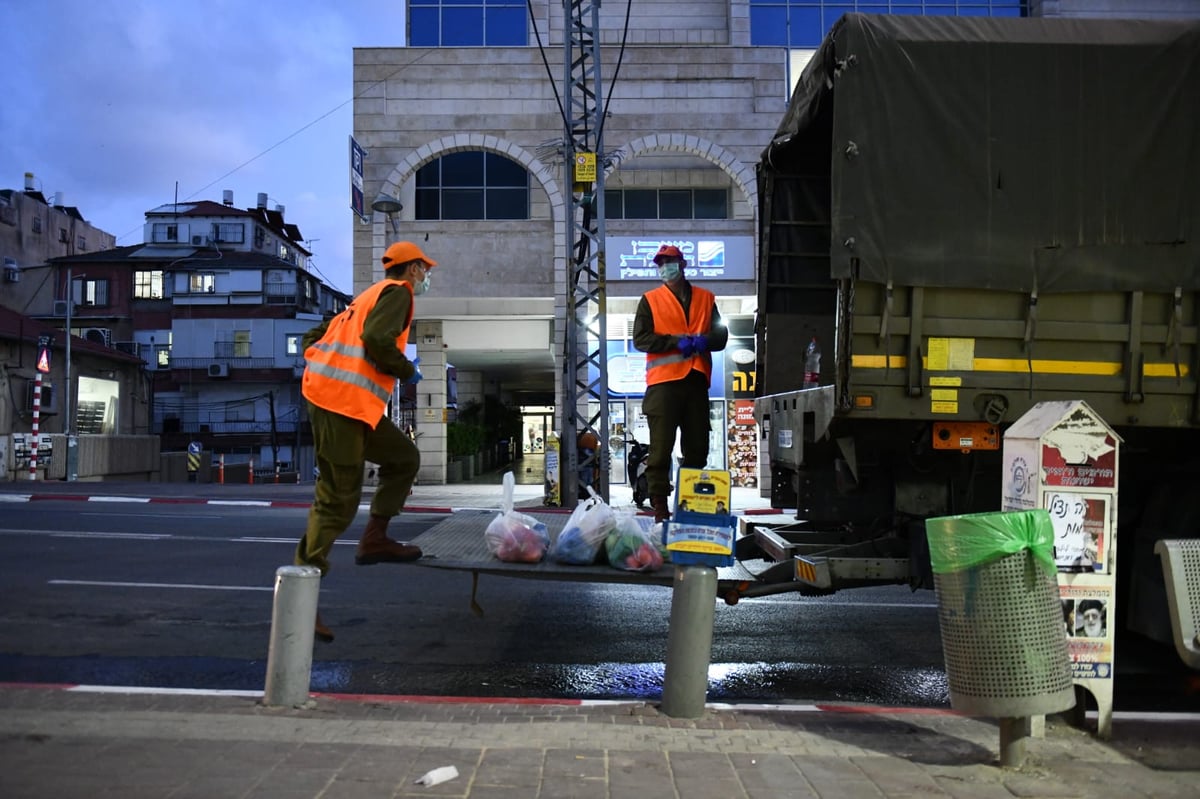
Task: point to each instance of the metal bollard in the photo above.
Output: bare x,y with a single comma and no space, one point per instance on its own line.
289,658
1014,733
689,641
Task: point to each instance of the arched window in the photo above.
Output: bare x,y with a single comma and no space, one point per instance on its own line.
472,185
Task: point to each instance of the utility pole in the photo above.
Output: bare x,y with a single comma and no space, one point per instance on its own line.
587,314
69,434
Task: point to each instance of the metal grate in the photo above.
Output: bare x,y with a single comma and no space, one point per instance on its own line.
1003,639
457,544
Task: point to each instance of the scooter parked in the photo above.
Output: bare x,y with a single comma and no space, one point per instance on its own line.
637,455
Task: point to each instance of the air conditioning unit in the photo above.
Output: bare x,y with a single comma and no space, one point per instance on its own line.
12,272
98,335
197,241
60,308
218,370
48,398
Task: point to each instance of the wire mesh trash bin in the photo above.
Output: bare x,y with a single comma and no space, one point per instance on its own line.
1001,620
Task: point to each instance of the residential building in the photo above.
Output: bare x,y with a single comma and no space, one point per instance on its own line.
214,303
84,384
34,229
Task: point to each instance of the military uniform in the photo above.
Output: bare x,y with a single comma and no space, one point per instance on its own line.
677,391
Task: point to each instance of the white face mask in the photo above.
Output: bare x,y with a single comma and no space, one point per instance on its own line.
422,287
668,271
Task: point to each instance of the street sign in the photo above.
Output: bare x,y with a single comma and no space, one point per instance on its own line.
357,154
43,359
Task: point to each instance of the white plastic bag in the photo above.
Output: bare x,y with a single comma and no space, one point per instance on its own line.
584,533
630,547
516,537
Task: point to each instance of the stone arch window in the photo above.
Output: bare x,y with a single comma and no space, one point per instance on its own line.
472,184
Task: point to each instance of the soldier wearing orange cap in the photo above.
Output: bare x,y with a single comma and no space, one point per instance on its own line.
678,327
353,362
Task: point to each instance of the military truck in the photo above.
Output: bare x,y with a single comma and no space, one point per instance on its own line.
971,216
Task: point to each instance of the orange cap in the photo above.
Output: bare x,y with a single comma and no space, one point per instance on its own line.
668,251
401,252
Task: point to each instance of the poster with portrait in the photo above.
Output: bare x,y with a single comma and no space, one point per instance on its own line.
1086,611
1080,530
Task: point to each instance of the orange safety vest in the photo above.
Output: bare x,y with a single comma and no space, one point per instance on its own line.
664,367
340,376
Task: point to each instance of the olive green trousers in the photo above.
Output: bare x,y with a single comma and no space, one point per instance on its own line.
343,445
680,405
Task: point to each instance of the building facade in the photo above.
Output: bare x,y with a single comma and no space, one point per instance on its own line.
211,307
465,127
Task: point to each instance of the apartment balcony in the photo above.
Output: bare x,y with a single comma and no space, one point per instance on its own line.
171,424
229,362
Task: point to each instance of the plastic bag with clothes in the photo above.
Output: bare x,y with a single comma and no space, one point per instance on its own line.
583,535
516,537
630,547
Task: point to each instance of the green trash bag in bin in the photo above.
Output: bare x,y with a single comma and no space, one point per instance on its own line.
957,543
999,613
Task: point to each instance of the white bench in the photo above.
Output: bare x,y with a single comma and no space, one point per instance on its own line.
1181,569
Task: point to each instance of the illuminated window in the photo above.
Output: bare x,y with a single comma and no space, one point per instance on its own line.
202,283
148,284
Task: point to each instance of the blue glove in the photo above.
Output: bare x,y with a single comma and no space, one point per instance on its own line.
699,344
685,346
416,375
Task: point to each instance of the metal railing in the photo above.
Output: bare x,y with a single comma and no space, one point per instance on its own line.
232,362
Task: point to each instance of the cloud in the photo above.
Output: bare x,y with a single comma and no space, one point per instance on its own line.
117,102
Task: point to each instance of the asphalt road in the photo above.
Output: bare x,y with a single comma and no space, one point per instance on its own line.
181,596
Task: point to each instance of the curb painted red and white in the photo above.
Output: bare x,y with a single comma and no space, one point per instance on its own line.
479,700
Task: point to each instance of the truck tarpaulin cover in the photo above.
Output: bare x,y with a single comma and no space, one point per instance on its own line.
1010,154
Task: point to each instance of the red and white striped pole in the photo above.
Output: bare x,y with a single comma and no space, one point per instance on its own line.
37,413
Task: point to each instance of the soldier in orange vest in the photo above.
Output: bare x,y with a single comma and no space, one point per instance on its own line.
678,327
353,363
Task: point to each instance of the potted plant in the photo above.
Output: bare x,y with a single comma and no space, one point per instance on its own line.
463,441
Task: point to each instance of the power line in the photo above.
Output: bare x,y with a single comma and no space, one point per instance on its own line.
297,132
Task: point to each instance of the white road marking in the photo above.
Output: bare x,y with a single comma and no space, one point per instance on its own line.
165,536
825,602
137,536
132,689
102,514
193,586
138,500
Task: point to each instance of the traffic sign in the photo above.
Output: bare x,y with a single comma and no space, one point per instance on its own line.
43,359
357,154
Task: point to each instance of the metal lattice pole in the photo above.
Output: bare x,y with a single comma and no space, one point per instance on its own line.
585,379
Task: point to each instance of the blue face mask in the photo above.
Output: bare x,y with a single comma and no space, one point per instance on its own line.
668,271
422,287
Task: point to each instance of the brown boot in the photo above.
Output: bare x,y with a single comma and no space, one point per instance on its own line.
321,632
659,505
376,547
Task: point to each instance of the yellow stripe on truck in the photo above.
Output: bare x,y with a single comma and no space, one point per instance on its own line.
1021,366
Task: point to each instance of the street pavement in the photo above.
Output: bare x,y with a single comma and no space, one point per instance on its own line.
91,741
